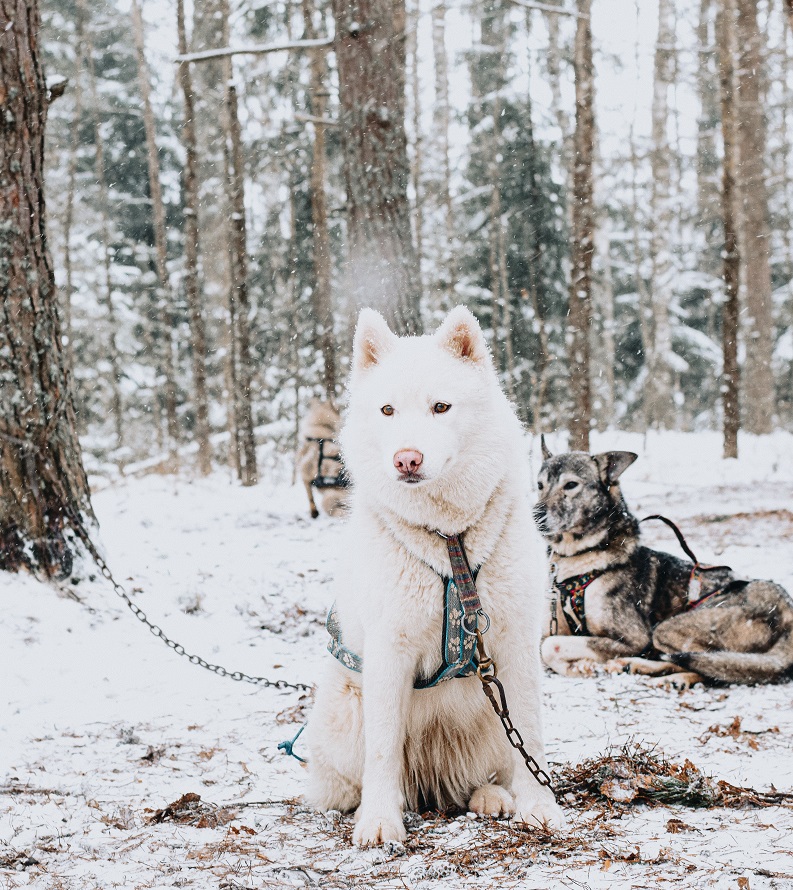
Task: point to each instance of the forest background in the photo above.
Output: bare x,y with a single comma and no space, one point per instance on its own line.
199,340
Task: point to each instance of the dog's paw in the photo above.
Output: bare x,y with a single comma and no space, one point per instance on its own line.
541,813
492,800
374,829
682,680
582,667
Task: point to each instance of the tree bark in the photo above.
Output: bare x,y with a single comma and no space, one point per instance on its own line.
43,488
583,234
165,297
442,118
381,268
322,296
239,305
198,340
68,216
725,36
658,402
758,380
116,403
418,141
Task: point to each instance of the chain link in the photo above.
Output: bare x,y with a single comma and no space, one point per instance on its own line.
158,632
486,671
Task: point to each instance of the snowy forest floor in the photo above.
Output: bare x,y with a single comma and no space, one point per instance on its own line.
105,726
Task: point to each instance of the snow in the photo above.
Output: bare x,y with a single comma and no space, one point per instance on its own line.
103,725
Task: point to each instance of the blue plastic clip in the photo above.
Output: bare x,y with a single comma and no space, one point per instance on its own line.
288,746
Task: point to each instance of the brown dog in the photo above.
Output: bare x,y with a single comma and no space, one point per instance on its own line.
622,604
322,421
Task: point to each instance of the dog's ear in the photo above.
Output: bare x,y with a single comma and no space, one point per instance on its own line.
546,451
461,335
372,340
612,464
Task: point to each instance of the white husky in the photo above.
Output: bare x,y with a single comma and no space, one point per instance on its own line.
432,445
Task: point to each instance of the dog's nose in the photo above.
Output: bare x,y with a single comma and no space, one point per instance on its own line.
408,461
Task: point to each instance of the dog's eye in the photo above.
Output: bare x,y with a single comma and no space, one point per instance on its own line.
569,486
388,410
440,407
539,486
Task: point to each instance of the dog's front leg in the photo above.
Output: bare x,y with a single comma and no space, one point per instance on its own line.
535,804
387,687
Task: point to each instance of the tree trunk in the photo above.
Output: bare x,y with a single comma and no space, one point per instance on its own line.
789,11
658,402
190,191
418,142
725,36
708,190
43,488
758,380
165,298
381,269
583,234
68,216
239,306
602,343
442,118
322,296
116,403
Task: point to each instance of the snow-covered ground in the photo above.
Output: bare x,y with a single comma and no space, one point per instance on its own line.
104,725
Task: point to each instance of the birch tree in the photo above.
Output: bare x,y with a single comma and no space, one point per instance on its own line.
43,487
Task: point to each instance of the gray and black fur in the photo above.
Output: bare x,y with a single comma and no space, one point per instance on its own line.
638,606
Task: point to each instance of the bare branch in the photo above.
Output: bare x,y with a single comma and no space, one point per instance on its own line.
312,119
324,43
546,7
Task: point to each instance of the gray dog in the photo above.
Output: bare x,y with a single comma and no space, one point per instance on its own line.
628,607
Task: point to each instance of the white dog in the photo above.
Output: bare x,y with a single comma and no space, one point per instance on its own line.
433,448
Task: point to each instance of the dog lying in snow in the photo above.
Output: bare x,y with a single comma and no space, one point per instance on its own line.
624,605
432,446
322,421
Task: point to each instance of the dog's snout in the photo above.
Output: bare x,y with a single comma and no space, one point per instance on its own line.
408,461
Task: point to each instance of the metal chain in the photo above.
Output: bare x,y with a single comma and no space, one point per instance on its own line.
158,631
486,671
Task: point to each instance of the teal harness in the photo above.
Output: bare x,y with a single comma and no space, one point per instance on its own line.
458,646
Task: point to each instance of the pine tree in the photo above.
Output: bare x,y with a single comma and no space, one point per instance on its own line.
755,243
43,487
381,267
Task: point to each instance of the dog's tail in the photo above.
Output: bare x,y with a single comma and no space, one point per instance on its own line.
741,667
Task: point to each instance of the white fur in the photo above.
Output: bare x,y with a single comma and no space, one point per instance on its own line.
375,743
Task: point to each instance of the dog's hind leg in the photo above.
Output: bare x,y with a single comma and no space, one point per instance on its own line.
311,503
744,636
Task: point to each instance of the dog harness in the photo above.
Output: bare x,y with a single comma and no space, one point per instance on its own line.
572,598
458,644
